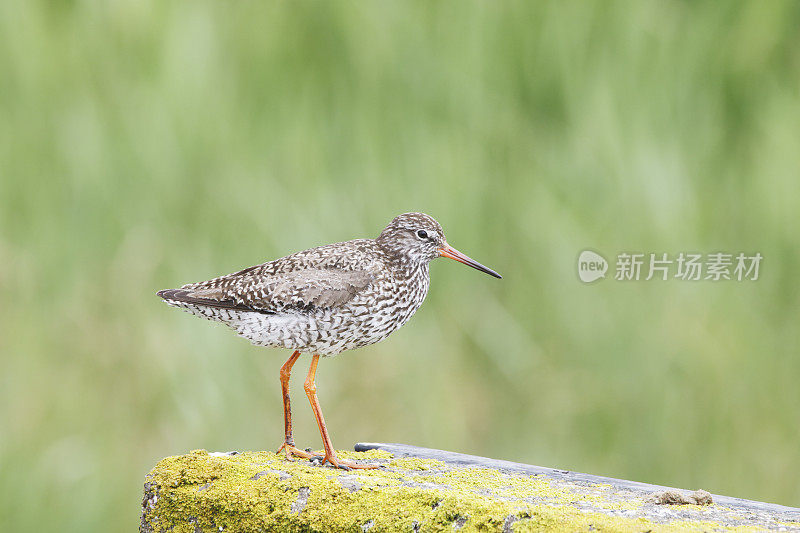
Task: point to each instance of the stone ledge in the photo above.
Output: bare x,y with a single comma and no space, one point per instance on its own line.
420,489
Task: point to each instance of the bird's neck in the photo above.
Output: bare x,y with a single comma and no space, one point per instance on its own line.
415,279
412,274
406,269
418,271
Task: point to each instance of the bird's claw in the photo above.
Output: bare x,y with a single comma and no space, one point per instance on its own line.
290,451
345,465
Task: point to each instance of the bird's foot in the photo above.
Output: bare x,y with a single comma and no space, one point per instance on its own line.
340,463
289,451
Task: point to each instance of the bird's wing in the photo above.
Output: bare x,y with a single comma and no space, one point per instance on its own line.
297,289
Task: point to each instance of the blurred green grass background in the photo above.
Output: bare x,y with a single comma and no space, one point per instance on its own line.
144,145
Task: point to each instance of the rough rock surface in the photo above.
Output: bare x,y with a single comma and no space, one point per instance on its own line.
415,491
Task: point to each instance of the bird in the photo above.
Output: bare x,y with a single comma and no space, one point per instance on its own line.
324,301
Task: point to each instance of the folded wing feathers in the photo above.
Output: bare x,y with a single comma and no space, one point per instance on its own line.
299,288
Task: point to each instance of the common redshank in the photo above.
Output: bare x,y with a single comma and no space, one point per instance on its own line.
324,301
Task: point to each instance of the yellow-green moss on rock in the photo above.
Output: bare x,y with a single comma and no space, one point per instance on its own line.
262,491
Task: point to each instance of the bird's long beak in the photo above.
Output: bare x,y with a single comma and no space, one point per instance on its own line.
448,251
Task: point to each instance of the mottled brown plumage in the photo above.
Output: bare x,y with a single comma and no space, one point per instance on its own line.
328,299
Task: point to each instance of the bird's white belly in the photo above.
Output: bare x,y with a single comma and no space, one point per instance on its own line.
322,332
290,330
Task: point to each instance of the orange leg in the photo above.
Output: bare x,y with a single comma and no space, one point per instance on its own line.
330,453
288,446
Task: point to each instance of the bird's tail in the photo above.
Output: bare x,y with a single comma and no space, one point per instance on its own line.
188,297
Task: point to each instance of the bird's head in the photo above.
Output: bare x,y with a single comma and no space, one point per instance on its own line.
418,239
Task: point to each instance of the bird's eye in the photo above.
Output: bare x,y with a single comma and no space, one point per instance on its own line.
422,234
